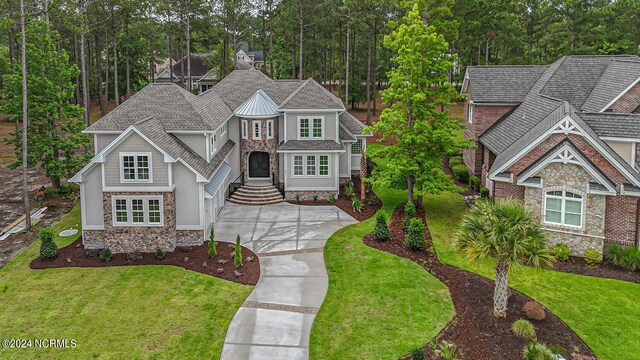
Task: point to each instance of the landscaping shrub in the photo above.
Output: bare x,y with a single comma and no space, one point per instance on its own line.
106,255
415,235
409,213
592,257
557,349
417,354
159,254
448,351
537,351
357,205
374,199
381,231
455,160
625,257
561,252
48,248
298,198
484,193
331,198
237,259
474,183
524,329
348,189
315,197
212,249
62,192
461,173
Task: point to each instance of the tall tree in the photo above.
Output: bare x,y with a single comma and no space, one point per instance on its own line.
25,119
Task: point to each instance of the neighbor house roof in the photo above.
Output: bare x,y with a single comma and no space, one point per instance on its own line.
256,55
199,65
501,84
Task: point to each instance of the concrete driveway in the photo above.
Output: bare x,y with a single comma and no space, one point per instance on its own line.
275,320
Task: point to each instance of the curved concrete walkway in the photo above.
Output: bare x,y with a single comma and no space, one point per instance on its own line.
275,320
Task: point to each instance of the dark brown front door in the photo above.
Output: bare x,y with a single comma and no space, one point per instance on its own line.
258,165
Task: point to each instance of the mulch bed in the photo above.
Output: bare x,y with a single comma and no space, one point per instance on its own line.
475,331
345,203
194,258
576,265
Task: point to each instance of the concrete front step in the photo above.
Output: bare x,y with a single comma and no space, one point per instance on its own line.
253,202
249,194
256,195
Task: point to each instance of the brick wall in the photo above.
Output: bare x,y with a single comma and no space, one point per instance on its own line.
502,190
621,219
628,102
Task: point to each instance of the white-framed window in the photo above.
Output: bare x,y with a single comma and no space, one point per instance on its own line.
256,129
311,127
245,129
214,141
311,165
563,208
224,128
356,148
324,165
137,210
470,112
298,169
269,129
135,167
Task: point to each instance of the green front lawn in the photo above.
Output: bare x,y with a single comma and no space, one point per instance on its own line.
379,306
115,312
603,312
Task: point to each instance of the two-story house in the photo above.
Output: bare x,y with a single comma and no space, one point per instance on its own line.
164,159
564,140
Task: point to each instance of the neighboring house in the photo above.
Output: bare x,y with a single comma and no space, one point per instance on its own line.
167,160
564,140
249,59
202,73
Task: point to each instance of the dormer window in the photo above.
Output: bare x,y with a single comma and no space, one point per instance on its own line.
311,127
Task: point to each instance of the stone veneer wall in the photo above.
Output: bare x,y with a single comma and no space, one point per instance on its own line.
121,239
308,195
247,146
570,177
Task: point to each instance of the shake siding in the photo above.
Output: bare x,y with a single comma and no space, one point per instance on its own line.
329,124
134,144
187,196
102,140
197,142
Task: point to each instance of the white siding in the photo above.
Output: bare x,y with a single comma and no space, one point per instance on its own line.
329,124
311,183
187,196
91,193
197,142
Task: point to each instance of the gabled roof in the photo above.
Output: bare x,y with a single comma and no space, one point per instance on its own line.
618,76
353,125
257,55
311,95
501,84
199,65
259,105
614,124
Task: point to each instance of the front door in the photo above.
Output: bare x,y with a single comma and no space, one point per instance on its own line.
258,165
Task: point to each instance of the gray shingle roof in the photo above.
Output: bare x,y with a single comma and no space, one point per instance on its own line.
352,124
502,84
311,95
257,55
199,65
614,124
345,135
319,145
615,79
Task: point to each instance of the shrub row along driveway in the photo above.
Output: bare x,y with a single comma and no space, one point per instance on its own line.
275,320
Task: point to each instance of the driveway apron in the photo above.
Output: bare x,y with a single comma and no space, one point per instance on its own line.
275,320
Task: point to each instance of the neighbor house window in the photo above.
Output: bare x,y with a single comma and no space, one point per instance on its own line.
245,129
311,165
135,167
356,148
137,211
563,208
298,170
269,129
310,127
256,129
324,165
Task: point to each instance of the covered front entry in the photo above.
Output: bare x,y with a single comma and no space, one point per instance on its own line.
259,165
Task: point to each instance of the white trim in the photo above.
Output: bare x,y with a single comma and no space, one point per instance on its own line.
620,95
337,138
311,127
244,129
285,128
563,199
311,189
138,188
270,129
619,139
253,129
170,174
470,112
316,166
631,193
224,128
572,233
145,210
135,156
95,143
561,127
310,151
501,179
201,203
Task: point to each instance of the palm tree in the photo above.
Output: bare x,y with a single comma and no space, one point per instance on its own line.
508,233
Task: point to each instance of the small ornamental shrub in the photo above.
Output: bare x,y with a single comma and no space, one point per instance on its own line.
106,255
524,329
415,235
561,252
448,351
455,160
592,257
461,173
46,235
409,213
298,198
625,257
331,198
381,231
237,259
212,249
48,248
484,193
474,183
537,351
557,349
348,190
357,205
159,254
315,197
417,354
374,199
